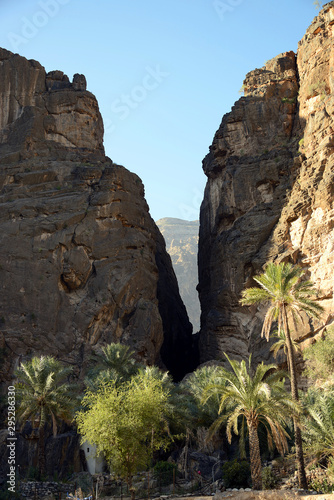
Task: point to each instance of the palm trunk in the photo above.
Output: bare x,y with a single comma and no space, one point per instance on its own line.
295,396
255,457
41,452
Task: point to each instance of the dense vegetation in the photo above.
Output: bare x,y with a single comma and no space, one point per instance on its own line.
133,413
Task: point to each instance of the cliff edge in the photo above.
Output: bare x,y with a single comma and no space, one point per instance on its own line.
82,263
269,194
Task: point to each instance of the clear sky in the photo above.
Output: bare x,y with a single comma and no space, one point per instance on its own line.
164,73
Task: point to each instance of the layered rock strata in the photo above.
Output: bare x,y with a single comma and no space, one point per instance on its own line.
269,194
82,262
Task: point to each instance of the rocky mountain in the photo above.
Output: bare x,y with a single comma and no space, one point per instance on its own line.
269,193
82,263
181,238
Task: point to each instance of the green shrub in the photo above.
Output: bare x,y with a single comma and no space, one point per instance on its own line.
163,472
289,100
320,357
321,485
269,480
32,473
317,88
330,469
8,495
236,474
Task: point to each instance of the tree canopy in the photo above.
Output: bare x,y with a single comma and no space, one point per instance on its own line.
126,422
44,393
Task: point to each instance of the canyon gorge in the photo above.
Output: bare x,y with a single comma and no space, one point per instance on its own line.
83,263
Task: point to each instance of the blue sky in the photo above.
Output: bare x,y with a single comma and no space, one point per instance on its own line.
164,73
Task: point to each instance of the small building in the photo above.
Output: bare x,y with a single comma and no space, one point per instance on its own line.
95,462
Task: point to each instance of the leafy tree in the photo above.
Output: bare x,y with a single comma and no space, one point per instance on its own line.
258,399
44,393
116,363
284,292
320,359
174,410
126,422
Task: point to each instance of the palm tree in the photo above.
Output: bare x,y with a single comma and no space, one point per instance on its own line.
285,292
194,385
43,392
258,399
116,363
281,344
319,420
191,415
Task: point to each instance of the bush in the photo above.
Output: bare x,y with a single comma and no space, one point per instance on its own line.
321,485
236,474
269,480
32,473
8,495
330,469
163,472
320,358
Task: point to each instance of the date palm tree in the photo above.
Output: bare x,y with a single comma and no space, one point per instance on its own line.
116,363
319,420
281,344
282,288
44,393
257,399
194,385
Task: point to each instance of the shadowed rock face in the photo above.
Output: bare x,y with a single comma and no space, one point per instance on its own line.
269,194
82,262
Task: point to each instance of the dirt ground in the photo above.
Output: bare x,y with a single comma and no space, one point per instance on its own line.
255,495
265,495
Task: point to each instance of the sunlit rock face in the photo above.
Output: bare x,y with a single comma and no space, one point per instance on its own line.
269,194
82,262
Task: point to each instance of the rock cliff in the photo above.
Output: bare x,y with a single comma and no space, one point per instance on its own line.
181,238
269,194
82,263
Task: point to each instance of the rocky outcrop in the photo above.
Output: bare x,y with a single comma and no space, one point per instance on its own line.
269,194
82,262
181,238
